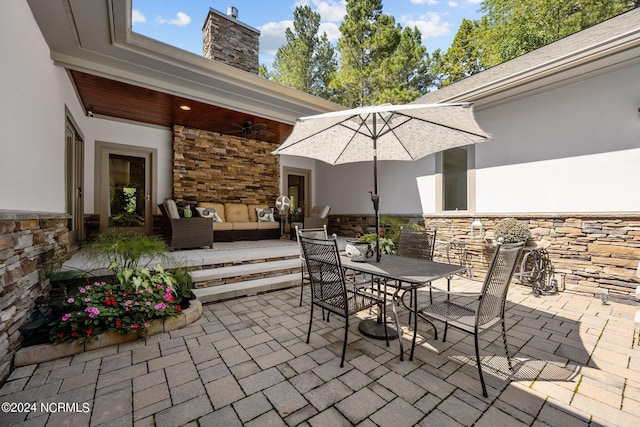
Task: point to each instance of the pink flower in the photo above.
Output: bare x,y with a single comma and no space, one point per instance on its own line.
128,302
88,287
93,312
66,317
70,300
87,300
147,324
148,302
160,306
167,296
159,287
82,290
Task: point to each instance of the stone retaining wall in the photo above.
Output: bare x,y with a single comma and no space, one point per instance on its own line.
30,243
212,167
590,252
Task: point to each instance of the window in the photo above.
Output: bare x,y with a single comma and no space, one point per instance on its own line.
457,183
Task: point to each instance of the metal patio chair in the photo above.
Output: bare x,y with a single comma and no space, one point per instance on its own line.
416,244
488,307
329,289
314,233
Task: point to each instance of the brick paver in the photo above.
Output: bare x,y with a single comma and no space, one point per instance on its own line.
246,362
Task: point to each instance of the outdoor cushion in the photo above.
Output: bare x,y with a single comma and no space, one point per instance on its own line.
245,225
222,226
265,215
172,209
268,225
319,212
253,217
219,207
236,212
208,213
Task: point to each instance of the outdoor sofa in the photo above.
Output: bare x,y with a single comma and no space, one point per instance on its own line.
239,221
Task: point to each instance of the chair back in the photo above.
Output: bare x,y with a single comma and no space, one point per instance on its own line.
313,233
328,286
416,244
496,283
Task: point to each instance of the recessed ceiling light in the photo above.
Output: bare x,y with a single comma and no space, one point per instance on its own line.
185,108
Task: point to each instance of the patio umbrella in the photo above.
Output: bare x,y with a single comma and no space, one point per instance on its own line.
383,132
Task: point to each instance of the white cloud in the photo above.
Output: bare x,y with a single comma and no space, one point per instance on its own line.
332,30
331,11
272,36
137,17
430,25
180,20
453,4
474,1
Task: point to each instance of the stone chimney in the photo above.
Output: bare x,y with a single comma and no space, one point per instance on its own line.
227,40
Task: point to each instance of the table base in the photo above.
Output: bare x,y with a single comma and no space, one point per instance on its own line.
372,329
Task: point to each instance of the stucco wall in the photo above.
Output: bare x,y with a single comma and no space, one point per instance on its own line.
571,149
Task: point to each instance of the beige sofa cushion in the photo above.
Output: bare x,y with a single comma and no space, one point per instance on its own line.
222,226
253,216
236,212
245,225
269,225
219,207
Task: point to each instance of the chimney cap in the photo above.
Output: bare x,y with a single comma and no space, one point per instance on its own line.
232,12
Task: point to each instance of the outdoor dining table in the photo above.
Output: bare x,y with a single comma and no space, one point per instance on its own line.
401,274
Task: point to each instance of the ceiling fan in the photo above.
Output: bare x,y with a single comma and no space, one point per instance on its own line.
248,128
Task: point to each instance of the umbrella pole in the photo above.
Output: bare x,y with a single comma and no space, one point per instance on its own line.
375,198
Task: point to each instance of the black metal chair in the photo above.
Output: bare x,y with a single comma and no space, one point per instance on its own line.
416,244
313,233
329,289
488,307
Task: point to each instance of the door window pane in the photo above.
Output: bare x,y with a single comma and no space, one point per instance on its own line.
454,178
126,191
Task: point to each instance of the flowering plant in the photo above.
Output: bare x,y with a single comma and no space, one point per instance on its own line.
127,306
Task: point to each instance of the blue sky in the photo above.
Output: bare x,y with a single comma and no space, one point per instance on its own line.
179,23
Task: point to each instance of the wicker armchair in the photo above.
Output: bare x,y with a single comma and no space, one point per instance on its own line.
184,233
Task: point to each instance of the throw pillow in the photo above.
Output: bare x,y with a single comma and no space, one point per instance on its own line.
172,209
265,215
209,213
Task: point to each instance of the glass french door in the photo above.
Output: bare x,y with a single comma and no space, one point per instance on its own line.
125,193
74,182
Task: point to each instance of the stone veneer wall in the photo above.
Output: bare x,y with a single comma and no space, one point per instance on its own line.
212,167
227,40
590,252
29,242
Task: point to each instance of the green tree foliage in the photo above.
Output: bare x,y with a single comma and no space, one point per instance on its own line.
380,62
307,62
510,28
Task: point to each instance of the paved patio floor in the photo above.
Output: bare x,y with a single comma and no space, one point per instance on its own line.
246,362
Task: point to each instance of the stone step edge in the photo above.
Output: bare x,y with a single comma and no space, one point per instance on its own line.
243,269
45,352
246,288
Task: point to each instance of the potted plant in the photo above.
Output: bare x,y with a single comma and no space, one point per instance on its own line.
510,230
364,247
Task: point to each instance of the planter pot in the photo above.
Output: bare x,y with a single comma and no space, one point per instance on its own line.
359,251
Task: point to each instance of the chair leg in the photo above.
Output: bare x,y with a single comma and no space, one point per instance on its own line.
444,333
506,348
484,388
344,344
301,288
310,321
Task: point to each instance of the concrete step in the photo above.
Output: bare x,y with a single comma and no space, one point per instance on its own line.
221,273
246,288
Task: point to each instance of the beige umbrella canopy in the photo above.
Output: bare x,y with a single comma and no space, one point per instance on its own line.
383,132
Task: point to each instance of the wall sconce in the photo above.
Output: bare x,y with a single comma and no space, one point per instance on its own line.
476,229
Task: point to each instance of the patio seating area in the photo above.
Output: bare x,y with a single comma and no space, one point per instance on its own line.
246,362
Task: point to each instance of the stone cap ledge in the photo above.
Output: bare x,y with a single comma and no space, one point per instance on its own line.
45,352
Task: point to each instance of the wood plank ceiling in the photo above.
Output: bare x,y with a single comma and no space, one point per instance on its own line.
111,98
